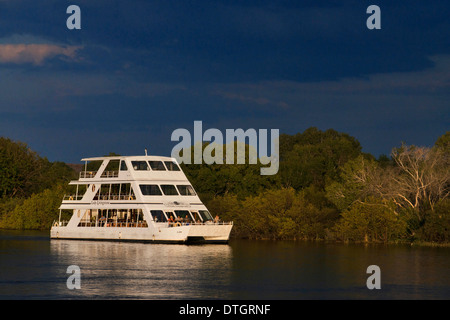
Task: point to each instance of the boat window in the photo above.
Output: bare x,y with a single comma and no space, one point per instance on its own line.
206,216
75,192
184,215
170,215
196,216
111,170
104,191
123,166
86,219
113,165
114,192
169,190
93,165
186,190
140,165
171,166
157,165
130,218
126,192
150,190
82,188
158,216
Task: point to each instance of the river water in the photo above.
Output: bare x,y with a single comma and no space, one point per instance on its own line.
34,267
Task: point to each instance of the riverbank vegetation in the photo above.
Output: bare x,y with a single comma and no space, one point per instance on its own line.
326,189
31,187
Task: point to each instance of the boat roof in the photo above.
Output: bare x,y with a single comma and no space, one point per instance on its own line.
148,157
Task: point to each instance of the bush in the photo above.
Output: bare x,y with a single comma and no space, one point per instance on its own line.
437,223
37,212
274,214
373,220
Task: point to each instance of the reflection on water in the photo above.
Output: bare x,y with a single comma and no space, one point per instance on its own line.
34,267
146,271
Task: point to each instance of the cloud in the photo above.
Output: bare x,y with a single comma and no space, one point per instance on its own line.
35,53
434,81
32,49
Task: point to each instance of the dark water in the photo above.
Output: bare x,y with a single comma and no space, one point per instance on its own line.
34,267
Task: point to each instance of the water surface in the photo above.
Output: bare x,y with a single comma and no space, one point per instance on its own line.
34,267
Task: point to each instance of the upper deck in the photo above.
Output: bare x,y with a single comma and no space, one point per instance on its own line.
131,168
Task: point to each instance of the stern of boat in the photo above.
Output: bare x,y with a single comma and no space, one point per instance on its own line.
209,233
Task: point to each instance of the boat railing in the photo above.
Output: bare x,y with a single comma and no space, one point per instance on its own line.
110,174
72,197
87,174
133,224
113,224
115,197
62,223
210,223
105,174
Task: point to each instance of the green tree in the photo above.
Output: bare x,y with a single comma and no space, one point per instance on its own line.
374,220
437,223
211,180
275,214
21,169
36,212
443,142
314,157
360,178
23,172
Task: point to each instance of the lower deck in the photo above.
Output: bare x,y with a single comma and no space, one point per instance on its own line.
155,232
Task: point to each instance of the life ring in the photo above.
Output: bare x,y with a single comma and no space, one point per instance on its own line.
55,224
70,198
130,198
178,224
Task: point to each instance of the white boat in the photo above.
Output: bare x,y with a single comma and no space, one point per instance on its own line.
136,198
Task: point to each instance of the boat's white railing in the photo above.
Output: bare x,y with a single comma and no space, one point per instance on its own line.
115,197
141,224
62,223
110,174
87,174
113,224
105,174
72,197
208,223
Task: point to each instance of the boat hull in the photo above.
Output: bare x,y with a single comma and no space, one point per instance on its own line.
213,233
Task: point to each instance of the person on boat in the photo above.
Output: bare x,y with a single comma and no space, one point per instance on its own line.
216,219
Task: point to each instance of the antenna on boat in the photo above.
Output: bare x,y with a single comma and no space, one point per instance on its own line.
145,151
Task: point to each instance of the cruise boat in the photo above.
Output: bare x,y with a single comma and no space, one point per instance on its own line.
136,198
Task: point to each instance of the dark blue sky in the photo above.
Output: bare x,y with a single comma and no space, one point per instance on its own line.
137,70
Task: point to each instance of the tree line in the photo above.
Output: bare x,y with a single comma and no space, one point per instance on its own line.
326,189
31,187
